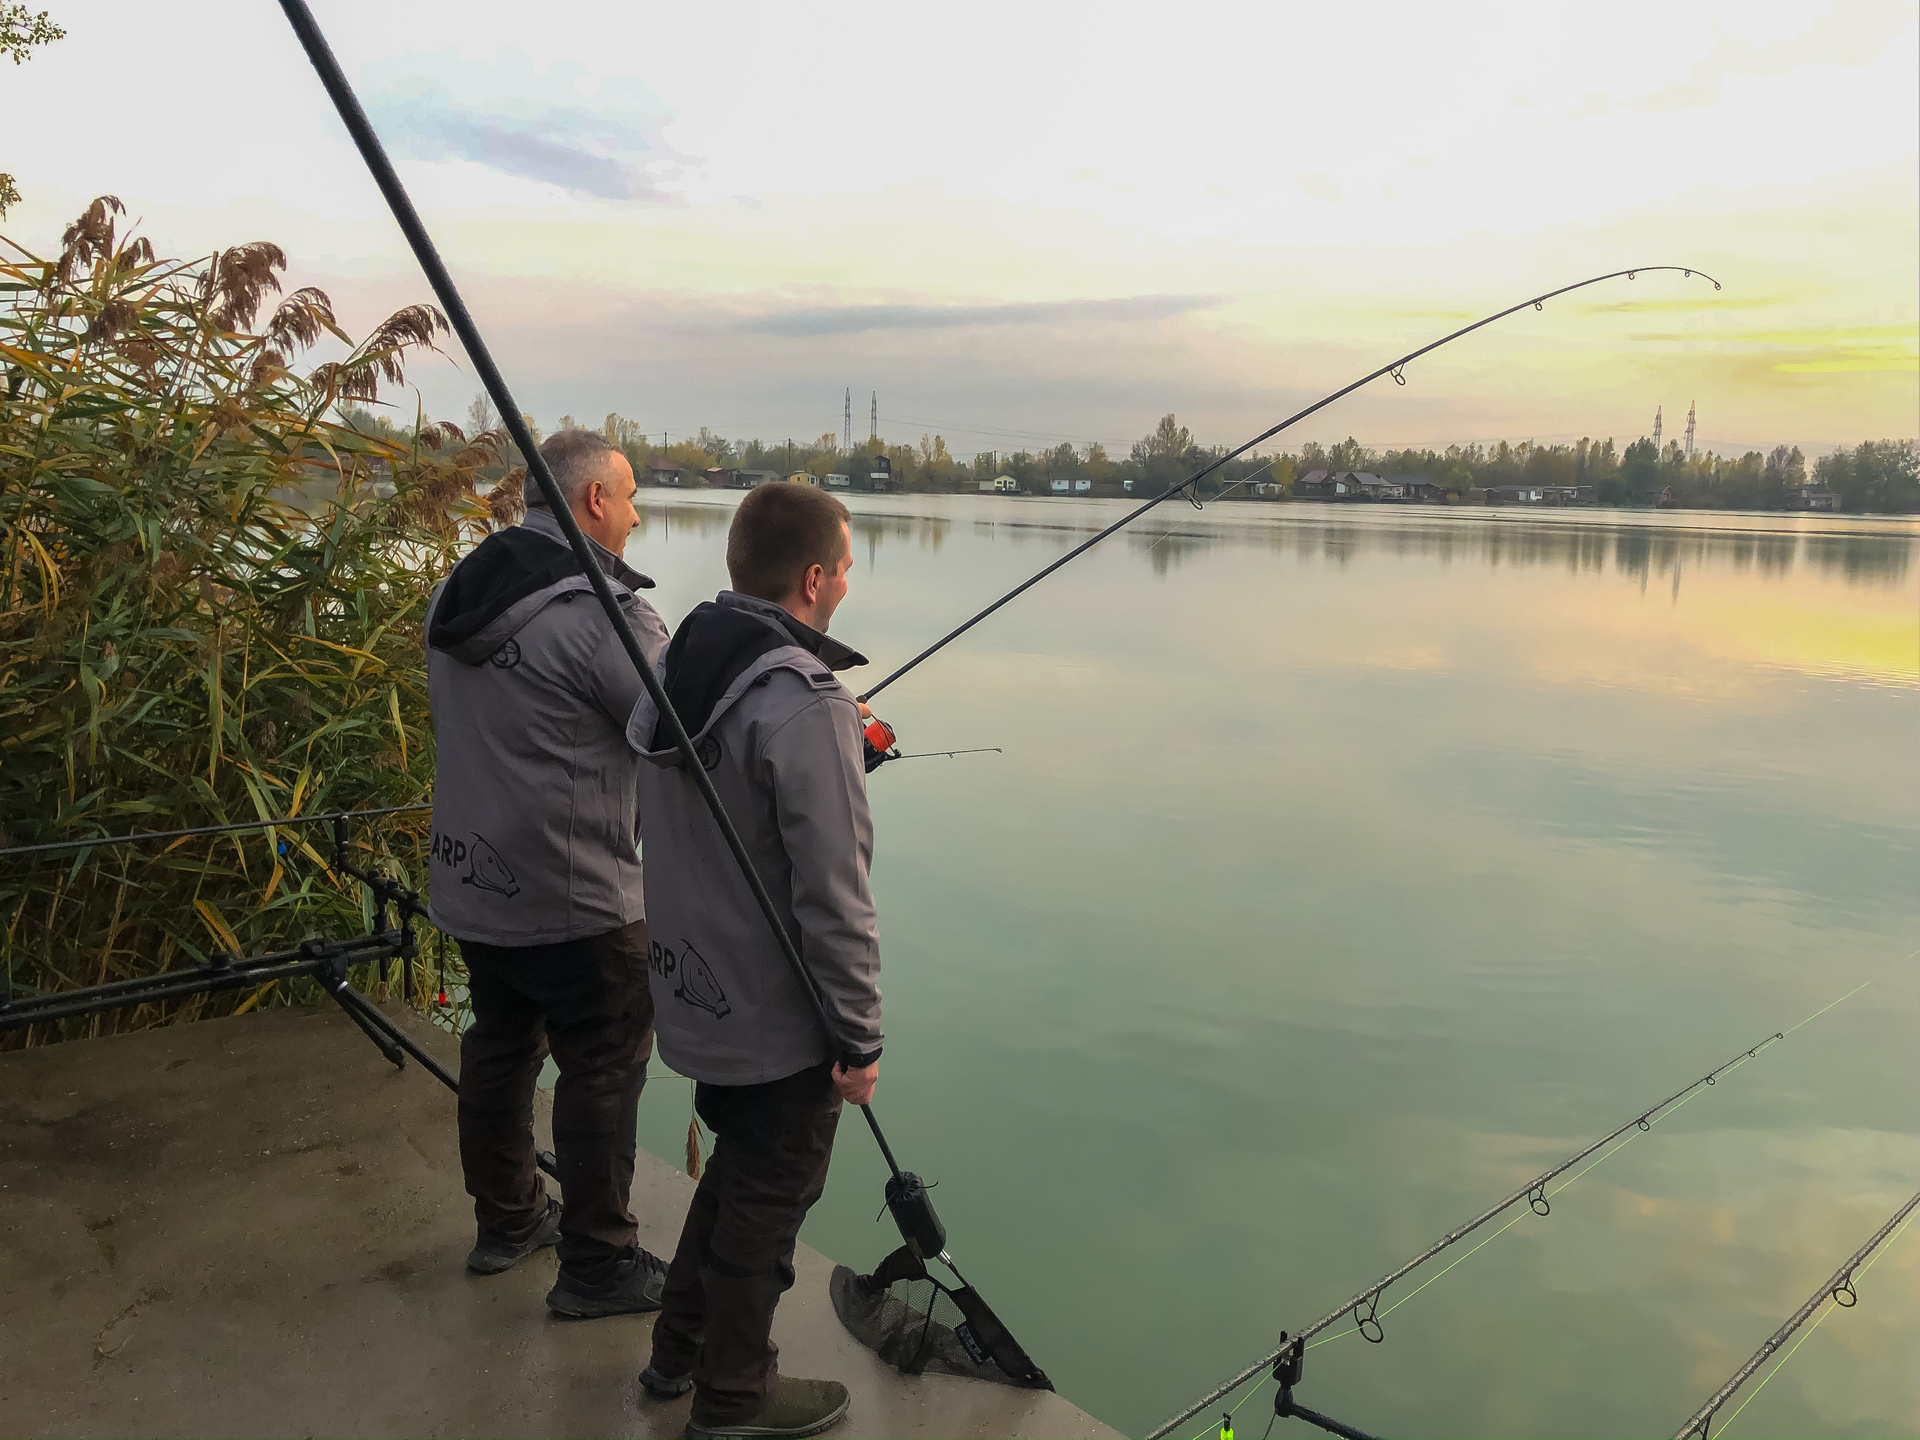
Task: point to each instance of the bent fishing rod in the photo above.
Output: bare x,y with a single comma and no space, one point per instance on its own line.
1838,1284
1364,1307
1395,368
912,1209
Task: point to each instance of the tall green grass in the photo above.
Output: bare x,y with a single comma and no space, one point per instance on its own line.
210,602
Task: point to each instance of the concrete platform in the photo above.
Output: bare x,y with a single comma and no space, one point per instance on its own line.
256,1226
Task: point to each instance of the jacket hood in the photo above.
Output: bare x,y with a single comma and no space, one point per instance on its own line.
528,562
727,643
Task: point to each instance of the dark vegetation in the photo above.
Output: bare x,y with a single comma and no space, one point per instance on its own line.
1878,475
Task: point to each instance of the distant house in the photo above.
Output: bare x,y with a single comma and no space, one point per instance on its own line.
1330,485
1812,497
801,477
1418,487
1378,487
1082,487
1127,485
662,470
1543,495
880,477
1266,490
839,482
1061,487
1000,485
747,479
718,476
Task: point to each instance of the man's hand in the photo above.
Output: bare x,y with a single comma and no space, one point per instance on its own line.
856,1086
866,710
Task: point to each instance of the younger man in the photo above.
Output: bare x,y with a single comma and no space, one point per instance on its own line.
751,677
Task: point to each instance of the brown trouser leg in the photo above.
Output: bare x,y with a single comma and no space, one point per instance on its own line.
772,1144
588,1001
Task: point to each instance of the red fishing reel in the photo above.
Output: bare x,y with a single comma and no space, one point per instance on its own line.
880,743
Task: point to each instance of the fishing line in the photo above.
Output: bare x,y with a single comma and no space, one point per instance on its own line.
1632,1135
1534,1193
322,818
1806,1337
1396,368
1838,1284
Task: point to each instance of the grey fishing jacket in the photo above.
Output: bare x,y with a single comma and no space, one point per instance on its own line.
782,741
535,839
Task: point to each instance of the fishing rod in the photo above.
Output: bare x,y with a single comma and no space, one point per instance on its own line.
1285,1362
100,842
906,1194
949,754
1396,369
1838,1284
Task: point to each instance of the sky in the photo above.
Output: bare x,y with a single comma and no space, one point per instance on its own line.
1021,224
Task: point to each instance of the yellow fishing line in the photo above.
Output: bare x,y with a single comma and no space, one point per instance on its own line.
1831,1307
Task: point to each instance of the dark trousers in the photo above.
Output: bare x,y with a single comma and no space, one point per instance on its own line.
588,1002
771,1147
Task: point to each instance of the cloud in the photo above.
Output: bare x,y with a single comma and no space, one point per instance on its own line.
600,137
1718,300
851,319
1318,187
549,150
1824,335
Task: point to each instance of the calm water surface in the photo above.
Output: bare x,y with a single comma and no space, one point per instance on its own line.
1346,868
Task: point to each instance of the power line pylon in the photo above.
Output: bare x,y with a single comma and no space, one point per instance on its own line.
1690,409
846,422
1656,429
873,417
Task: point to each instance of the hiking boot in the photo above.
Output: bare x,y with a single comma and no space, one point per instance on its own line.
662,1386
490,1256
796,1407
633,1288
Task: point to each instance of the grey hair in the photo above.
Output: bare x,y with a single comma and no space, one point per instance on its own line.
575,457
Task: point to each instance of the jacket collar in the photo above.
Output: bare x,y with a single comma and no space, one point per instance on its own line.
829,651
541,522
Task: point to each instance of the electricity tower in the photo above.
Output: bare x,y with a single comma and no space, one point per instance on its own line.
1656,429
1690,408
846,422
873,417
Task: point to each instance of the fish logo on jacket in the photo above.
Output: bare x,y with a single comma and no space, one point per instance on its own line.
698,987
488,871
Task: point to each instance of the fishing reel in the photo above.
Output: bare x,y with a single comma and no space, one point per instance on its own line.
879,743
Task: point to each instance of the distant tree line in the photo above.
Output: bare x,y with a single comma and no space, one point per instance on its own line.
1875,476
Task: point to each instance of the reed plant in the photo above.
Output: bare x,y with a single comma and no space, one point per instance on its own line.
211,593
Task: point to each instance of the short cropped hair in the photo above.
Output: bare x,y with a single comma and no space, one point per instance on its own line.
779,531
575,457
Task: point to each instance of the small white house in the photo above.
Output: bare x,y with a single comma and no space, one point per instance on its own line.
1062,487
1082,487
839,482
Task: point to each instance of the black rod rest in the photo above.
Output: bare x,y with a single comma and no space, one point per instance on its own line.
323,961
1286,1374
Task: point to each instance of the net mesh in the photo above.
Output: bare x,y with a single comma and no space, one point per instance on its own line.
917,1325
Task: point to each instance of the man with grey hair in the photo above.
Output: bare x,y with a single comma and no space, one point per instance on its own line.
536,871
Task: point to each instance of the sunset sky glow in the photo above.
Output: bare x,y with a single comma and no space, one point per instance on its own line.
1022,224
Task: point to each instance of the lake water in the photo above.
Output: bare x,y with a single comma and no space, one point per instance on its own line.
1345,868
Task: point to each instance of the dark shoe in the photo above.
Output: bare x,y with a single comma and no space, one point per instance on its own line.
490,1256
632,1289
662,1386
796,1407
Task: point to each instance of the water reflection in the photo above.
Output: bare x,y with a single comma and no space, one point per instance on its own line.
1369,862
1871,551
